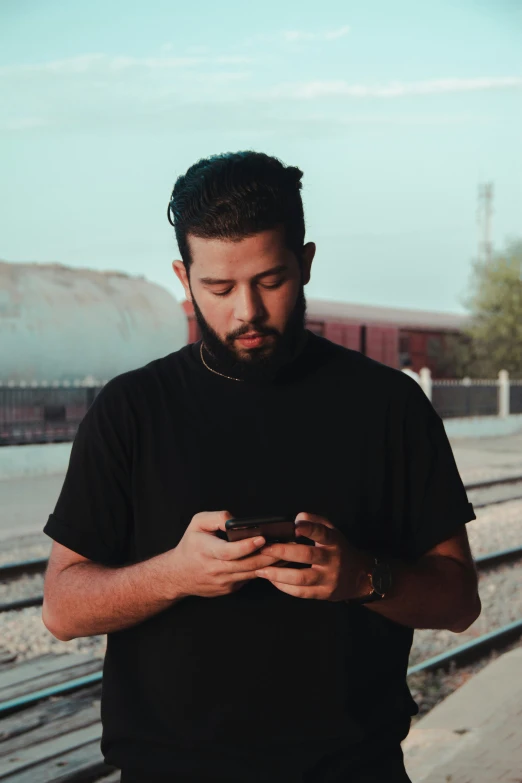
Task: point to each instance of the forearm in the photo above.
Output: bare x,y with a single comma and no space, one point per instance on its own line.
88,599
435,592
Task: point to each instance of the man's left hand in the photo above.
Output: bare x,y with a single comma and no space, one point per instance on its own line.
338,570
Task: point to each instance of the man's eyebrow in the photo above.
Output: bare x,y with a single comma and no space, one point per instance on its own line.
216,281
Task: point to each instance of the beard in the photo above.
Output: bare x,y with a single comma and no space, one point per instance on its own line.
259,364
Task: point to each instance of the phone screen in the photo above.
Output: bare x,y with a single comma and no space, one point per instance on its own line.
273,529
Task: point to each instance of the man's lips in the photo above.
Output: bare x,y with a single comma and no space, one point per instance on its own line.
252,341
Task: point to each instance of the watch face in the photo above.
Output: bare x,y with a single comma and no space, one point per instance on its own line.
381,578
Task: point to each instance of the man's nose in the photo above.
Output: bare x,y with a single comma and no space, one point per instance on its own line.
249,306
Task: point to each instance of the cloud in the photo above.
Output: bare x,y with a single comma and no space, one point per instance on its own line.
112,90
321,88
333,34
290,40
299,35
97,90
97,62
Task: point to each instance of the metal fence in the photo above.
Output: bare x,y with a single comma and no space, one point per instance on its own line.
51,412
478,397
44,413
455,399
515,397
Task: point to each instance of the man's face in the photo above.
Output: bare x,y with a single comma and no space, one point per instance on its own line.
237,288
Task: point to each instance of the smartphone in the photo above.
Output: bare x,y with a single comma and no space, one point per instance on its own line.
273,529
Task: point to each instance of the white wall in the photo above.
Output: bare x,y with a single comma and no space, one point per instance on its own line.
483,426
40,459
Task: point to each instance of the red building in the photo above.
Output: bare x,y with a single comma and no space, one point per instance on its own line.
387,334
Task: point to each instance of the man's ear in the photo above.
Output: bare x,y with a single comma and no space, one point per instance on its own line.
181,274
308,257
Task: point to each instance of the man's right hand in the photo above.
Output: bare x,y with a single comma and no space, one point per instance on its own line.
207,566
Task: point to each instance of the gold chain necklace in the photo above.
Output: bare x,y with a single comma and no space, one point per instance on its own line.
210,368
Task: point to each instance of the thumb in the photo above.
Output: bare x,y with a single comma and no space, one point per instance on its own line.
210,521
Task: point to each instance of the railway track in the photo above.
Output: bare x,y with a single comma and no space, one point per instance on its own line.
12,570
50,729
494,491
38,565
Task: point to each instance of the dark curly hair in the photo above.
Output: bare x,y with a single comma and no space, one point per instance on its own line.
235,195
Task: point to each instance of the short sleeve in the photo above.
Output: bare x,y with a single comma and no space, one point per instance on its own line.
93,514
435,503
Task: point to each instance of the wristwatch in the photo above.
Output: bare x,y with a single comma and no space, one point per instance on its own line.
380,581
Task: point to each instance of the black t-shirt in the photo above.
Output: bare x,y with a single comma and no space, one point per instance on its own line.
335,434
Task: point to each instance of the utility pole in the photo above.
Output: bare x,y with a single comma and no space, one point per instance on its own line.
484,212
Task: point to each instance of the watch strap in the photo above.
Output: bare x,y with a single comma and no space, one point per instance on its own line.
374,595
366,599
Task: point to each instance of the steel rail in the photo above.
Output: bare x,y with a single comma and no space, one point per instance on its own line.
470,651
13,705
493,482
496,502
484,562
20,567
22,603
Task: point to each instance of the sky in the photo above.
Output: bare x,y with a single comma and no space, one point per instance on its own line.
395,112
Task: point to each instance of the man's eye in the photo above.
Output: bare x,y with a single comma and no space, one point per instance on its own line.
275,285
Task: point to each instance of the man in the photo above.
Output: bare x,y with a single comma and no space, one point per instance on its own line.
407,369
220,664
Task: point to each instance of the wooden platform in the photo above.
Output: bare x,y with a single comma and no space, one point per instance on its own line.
56,740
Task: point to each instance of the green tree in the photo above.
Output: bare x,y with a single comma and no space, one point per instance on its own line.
456,358
492,340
